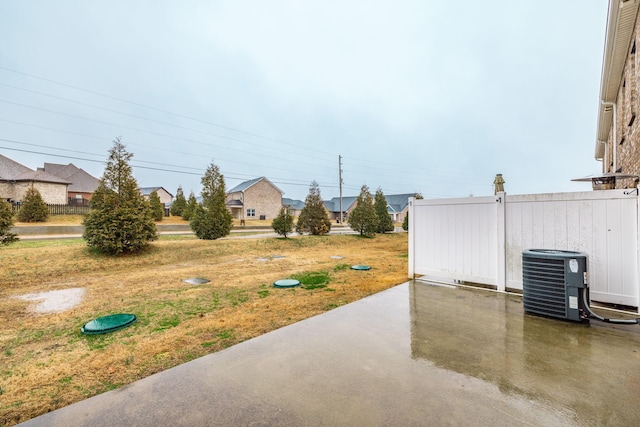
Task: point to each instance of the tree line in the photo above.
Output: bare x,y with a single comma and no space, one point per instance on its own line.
122,221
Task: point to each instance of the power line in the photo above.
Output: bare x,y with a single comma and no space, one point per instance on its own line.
157,109
136,116
227,175
141,130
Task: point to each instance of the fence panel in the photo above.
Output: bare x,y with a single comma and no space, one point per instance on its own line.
61,209
481,240
456,239
602,224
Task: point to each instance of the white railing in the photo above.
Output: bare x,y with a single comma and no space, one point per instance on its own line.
481,239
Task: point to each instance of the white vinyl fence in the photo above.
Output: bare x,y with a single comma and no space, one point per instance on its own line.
481,239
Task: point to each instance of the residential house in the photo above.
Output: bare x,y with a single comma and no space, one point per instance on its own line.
15,179
294,206
397,206
82,184
333,207
165,197
257,198
618,131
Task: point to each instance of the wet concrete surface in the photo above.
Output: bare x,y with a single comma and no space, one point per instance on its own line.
414,355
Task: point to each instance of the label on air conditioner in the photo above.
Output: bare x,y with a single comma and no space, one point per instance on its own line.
573,303
573,265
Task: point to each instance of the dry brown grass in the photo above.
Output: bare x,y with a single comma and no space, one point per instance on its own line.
46,363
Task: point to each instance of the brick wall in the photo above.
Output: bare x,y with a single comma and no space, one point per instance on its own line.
627,145
51,193
264,198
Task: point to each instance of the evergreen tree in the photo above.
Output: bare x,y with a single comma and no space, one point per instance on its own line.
212,219
179,204
283,223
405,222
33,207
157,210
313,218
6,222
190,207
385,223
363,217
120,220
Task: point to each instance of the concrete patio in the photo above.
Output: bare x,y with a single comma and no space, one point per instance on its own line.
415,355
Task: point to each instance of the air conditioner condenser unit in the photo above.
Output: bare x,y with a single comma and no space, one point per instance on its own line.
554,283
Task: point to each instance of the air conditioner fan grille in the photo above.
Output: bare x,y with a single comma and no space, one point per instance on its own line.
544,286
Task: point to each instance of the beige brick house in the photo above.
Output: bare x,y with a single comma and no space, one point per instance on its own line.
82,184
258,198
618,132
15,179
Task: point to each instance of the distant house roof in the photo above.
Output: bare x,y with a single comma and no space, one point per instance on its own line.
333,205
247,184
146,191
11,170
296,204
398,202
81,181
395,202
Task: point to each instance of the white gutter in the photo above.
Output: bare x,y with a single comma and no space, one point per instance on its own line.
621,20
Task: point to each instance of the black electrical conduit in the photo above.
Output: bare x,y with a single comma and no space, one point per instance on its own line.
604,319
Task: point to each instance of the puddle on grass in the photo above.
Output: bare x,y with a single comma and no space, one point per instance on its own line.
336,257
269,258
54,301
196,281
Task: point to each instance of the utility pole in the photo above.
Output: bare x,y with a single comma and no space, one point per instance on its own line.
340,179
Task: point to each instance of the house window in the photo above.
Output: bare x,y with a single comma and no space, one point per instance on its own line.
251,213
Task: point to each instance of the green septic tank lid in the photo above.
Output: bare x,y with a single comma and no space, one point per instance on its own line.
103,325
360,267
286,283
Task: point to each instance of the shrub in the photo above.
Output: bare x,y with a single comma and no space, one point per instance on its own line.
212,219
179,204
363,217
120,220
283,223
190,207
157,210
313,218
6,222
33,207
385,223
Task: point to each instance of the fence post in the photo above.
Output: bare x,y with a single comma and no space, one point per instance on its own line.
501,270
412,231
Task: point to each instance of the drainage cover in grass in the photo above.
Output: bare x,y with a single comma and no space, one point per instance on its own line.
103,325
360,267
286,283
196,281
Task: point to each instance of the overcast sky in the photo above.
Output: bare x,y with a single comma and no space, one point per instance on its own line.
421,96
